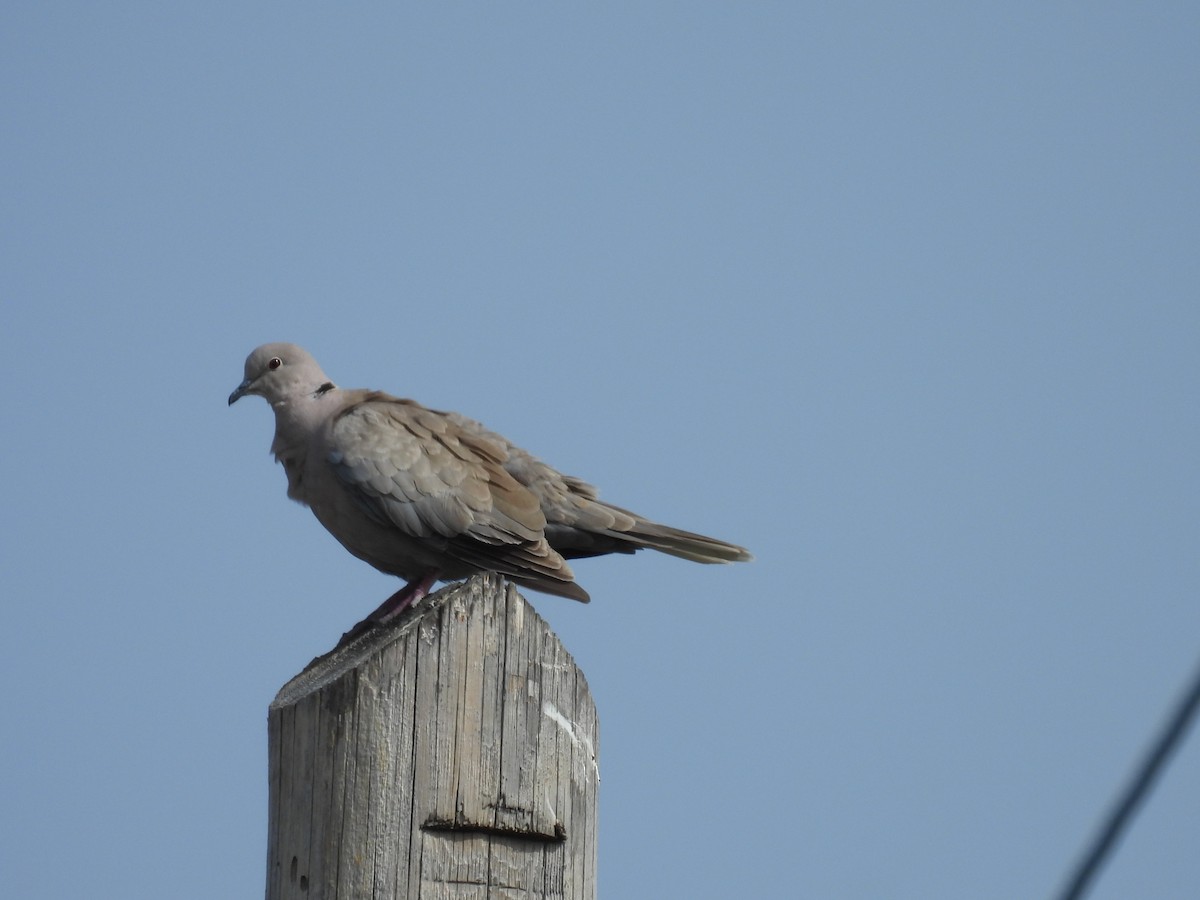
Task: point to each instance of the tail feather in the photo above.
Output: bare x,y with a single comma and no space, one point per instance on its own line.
575,542
684,544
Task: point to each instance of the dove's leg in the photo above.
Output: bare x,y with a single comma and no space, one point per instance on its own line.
392,606
403,598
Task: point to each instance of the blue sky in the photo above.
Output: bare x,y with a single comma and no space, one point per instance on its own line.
902,298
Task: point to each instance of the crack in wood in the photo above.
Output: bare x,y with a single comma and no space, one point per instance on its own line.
559,836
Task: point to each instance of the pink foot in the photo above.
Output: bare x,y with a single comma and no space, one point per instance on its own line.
393,606
403,598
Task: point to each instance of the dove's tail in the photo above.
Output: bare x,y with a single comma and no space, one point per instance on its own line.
684,544
632,533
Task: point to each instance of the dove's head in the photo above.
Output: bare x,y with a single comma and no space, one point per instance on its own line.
280,372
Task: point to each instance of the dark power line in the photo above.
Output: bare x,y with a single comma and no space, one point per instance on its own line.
1137,791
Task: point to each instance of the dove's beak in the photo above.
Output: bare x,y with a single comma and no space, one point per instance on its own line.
239,392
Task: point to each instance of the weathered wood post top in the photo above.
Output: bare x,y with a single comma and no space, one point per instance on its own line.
451,754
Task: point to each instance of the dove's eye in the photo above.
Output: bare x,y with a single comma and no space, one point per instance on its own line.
275,363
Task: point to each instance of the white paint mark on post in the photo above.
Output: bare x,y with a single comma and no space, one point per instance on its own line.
579,740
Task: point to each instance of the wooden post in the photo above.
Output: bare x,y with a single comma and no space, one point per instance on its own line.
451,754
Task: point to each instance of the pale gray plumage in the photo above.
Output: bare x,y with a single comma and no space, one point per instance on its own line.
431,495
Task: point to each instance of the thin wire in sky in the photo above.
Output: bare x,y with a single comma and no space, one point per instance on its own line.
1135,794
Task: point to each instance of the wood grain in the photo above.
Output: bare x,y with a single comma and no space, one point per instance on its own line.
451,754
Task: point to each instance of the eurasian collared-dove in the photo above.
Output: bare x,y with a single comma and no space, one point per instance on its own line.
433,496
